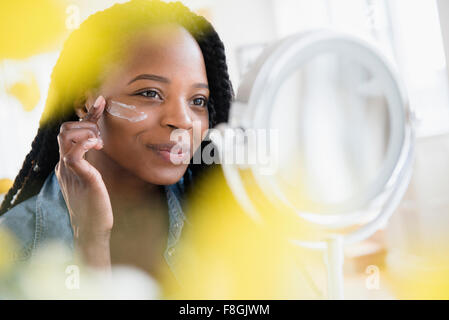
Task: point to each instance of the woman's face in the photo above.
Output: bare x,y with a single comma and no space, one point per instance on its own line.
162,83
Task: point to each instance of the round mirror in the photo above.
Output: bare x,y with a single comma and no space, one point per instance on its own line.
338,138
337,134
335,148
336,120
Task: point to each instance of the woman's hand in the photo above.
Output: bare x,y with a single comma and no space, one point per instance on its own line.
83,188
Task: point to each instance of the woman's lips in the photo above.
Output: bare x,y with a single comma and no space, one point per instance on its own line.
167,155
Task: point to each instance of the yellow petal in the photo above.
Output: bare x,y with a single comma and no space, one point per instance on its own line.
5,185
27,92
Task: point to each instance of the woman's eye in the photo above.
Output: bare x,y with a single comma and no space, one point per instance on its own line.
149,94
200,102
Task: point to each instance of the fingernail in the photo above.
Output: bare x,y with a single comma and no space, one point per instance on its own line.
97,102
92,139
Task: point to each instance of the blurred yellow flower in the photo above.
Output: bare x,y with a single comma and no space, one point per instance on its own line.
7,249
5,185
226,255
27,92
54,273
423,276
29,27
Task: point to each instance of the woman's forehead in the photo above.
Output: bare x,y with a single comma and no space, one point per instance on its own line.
168,51
165,47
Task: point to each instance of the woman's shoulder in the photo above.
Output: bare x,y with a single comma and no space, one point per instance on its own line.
20,221
39,219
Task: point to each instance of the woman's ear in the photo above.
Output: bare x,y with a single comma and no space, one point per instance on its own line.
83,105
81,111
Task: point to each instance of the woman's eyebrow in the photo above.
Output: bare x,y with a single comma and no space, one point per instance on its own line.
163,79
201,85
149,77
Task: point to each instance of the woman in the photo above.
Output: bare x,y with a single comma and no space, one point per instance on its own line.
100,176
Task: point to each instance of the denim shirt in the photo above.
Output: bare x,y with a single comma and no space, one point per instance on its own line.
45,217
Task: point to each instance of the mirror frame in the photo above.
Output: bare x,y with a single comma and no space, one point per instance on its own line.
257,92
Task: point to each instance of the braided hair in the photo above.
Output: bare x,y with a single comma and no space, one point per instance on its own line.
89,50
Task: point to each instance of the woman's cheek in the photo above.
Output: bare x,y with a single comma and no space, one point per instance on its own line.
116,135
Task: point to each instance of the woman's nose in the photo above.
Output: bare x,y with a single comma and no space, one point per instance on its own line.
177,115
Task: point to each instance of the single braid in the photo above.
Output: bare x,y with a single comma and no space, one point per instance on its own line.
23,174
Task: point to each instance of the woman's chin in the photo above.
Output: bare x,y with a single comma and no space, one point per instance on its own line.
165,176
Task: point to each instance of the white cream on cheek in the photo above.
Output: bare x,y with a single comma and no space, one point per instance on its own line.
124,111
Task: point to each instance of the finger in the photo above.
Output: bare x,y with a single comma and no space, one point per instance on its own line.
74,159
75,133
80,168
67,139
69,125
95,111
